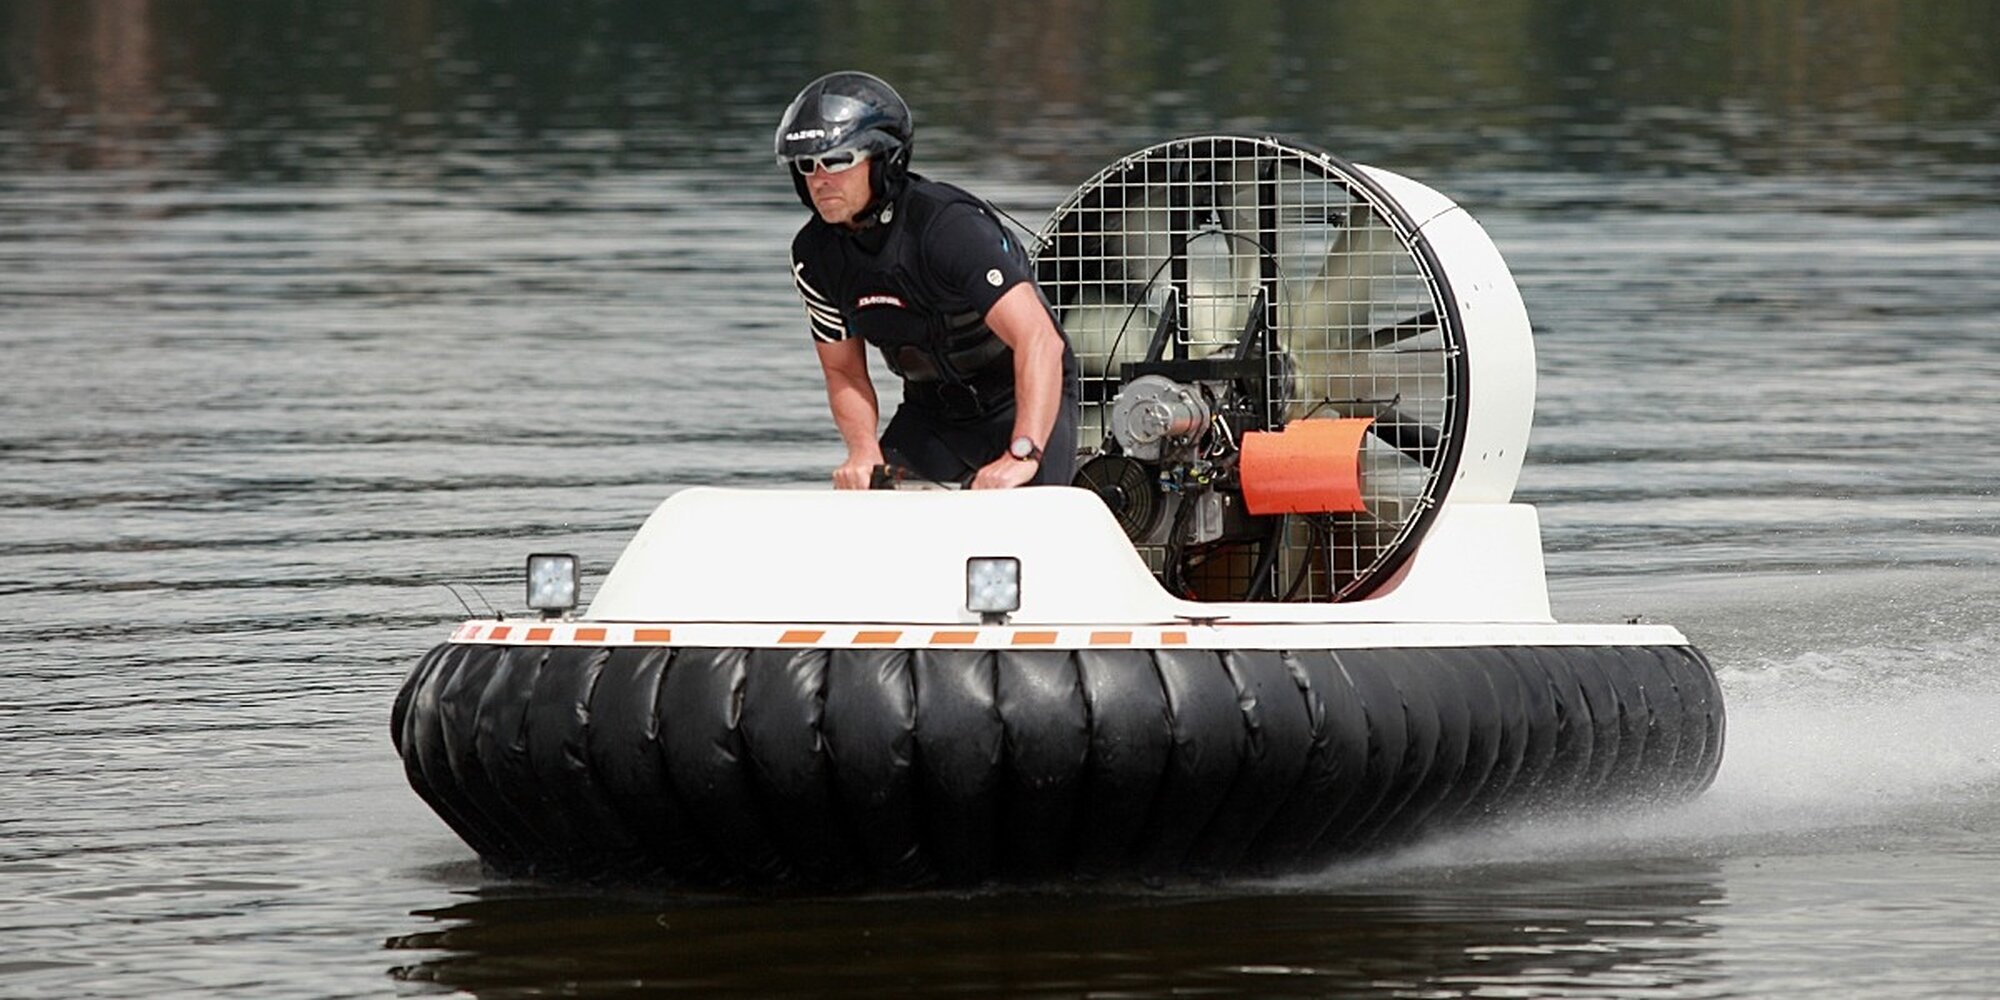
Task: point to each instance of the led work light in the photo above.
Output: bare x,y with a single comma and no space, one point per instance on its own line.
993,587
552,583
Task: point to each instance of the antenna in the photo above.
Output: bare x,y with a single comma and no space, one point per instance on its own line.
1035,240
469,613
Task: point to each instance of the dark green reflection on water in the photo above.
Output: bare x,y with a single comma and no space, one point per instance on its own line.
283,89
1606,929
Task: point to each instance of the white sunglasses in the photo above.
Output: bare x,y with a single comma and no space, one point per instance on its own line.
838,161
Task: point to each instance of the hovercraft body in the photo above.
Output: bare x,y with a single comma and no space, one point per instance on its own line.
832,706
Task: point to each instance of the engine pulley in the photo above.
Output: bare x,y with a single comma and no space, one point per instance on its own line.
1153,413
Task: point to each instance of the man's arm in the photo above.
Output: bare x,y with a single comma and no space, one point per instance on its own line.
1019,319
851,396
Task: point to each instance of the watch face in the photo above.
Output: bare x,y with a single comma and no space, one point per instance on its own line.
1022,448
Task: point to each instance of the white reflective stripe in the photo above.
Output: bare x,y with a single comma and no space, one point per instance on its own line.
811,294
827,326
827,334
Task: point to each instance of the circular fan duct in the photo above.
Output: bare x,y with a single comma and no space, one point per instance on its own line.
1220,287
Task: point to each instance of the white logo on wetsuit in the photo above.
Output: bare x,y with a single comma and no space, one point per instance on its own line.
878,300
994,277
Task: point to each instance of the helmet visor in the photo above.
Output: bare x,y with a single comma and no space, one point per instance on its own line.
817,123
837,109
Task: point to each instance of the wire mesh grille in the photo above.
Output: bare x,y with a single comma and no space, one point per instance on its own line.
1183,250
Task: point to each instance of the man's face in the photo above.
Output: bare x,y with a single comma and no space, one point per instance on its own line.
839,197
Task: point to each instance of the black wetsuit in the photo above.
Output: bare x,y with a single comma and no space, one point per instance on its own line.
917,286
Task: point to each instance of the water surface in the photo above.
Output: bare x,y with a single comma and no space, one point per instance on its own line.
308,309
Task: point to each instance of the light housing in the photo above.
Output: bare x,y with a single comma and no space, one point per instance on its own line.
552,583
993,587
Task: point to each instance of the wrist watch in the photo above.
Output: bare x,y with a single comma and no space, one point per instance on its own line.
1024,449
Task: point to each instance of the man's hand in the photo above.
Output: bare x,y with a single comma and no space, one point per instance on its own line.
1005,472
857,473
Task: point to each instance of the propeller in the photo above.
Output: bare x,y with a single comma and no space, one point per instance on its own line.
1209,238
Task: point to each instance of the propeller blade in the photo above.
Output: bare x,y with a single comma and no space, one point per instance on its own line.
1387,337
1413,438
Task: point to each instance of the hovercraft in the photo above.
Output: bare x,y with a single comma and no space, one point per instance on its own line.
1289,612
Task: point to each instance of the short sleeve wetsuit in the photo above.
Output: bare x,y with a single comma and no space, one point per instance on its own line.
917,286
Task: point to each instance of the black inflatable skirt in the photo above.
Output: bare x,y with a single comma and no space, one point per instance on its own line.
861,768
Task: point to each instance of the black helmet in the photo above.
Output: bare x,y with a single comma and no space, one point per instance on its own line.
849,110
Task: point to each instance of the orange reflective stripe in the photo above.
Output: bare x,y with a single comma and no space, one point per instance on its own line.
1079,637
